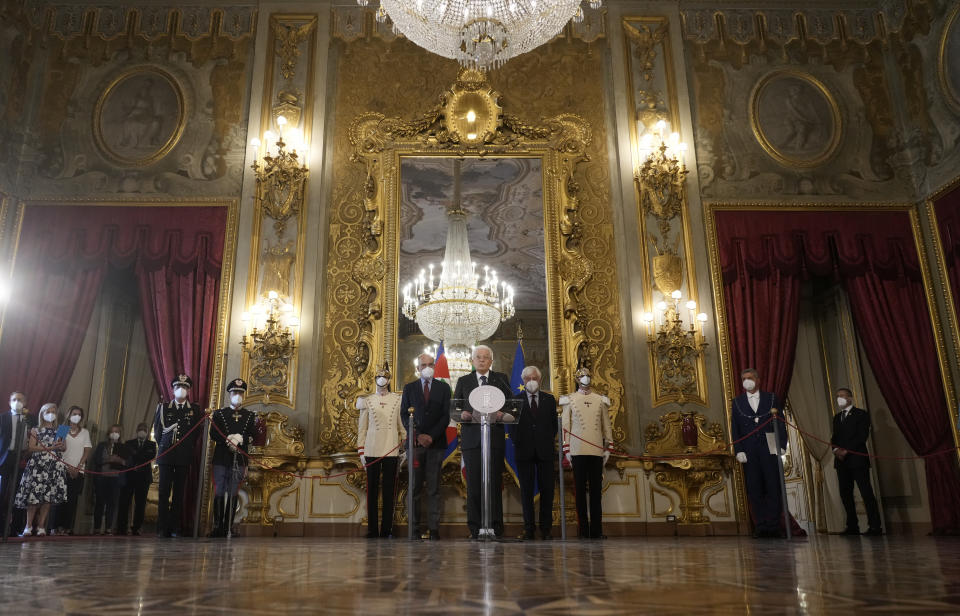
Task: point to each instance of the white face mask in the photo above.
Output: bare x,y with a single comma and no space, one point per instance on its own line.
842,402
236,399
180,393
531,386
17,406
75,419
749,384
585,381
427,372
141,434
382,381
49,417
114,436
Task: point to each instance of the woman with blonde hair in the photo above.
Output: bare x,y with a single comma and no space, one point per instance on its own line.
43,480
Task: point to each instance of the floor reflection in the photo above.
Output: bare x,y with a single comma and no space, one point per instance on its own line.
823,575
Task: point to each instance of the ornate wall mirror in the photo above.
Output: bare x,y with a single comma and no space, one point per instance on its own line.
481,221
519,193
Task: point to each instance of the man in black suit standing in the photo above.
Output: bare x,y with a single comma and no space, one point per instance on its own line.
761,473
430,400
851,428
534,440
17,419
482,360
140,451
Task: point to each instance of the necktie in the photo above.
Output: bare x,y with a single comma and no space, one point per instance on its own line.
13,430
533,405
843,417
483,380
426,391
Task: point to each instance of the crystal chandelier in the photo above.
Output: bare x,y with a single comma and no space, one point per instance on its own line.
457,308
480,34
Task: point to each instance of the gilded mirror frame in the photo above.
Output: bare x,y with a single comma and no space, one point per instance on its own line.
364,259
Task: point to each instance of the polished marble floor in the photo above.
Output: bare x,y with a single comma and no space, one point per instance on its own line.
144,575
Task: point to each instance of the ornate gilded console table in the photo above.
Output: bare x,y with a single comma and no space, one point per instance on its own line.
695,461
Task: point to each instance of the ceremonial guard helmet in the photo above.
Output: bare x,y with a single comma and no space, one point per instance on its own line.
237,385
182,380
384,370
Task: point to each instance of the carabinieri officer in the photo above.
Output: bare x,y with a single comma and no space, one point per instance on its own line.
232,431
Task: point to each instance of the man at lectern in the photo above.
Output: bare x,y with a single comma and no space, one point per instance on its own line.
482,360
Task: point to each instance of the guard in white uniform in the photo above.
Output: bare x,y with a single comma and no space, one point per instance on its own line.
379,433
587,443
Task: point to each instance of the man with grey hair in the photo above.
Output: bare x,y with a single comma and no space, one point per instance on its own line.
761,473
482,360
430,400
534,440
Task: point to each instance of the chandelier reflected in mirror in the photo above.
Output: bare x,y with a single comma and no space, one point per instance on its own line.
480,34
461,306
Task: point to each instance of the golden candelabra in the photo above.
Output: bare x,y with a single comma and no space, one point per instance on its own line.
282,176
676,346
270,344
660,174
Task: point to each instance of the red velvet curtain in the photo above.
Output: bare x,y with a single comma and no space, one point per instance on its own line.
64,254
874,256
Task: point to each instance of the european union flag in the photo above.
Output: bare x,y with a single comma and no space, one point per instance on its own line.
516,386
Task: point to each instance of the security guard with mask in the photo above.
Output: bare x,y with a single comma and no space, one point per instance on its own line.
176,439
233,430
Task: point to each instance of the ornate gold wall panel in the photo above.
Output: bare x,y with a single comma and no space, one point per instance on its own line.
277,249
378,119
652,96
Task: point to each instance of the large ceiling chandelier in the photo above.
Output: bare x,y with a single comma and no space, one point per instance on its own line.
457,308
480,34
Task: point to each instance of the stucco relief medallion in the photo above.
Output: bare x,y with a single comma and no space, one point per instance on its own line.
949,61
139,117
795,118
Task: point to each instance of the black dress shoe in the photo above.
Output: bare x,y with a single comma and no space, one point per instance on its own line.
434,535
546,536
528,535
851,531
874,532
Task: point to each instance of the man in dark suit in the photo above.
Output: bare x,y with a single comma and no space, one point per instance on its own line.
140,451
430,400
17,419
534,440
851,428
173,431
482,359
761,472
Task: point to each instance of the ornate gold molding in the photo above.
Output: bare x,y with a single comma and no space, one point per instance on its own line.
660,201
362,265
288,36
279,259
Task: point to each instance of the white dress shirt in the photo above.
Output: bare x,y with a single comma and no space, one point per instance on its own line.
754,400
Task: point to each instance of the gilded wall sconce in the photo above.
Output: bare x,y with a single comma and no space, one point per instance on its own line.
280,175
269,340
676,344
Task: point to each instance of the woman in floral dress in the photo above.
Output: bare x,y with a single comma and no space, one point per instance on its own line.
43,479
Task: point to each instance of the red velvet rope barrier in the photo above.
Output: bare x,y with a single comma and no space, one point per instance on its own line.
619,452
